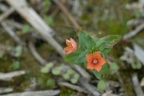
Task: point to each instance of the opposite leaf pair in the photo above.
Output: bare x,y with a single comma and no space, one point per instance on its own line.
94,59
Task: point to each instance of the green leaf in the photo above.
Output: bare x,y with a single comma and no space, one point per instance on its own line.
114,66
101,85
72,56
51,82
90,42
59,68
15,65
56,70
76,76
85,40
139,65
49,20
25,28
135,64
18,51
97,74
81,58
44,70
66,76
1,54
108,41
104,69
70,71
46,3
49,65
73,80
105,51
82,39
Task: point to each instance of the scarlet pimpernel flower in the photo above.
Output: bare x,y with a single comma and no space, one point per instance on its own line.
95,61
71,46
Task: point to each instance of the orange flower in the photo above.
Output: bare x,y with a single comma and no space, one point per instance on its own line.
71,46
95,61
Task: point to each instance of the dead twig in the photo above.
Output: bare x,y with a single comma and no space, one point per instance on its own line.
89,87
74,87
139,52
134,32
9,76
5,90
36,93
82,72
3,8
136,86
109,93
12,34
134,22
6,14
35,54
14,24
142,82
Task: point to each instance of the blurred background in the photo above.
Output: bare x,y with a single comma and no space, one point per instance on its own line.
32,38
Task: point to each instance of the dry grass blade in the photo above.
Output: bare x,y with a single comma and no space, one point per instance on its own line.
139,52
142,82
6,14
137,88
9,76
74,87
5,90
36,93
12,33
134,32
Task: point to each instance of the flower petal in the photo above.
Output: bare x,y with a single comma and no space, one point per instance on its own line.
90,66
71,46
68,50
98,67
102,61
68,43
97,55
74,44
89,58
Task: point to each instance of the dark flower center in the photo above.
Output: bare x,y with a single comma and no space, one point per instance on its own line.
94,61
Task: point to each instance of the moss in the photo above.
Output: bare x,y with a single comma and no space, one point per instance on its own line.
68,92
